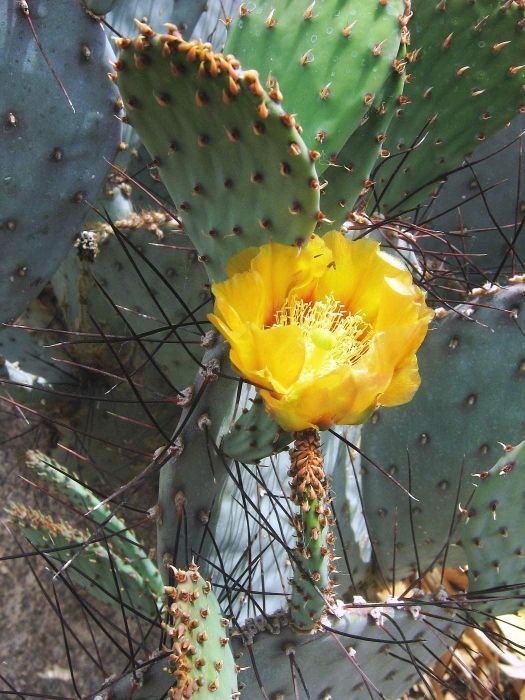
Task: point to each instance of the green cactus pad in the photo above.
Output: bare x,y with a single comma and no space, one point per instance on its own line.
231,158
123,540
195,473
329,58
201,657
493,536
466,84
47,148
349,178
281,660
255,435
472,396
314,567
91,568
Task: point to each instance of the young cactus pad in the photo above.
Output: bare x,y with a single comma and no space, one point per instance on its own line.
232,159
312,585
329,58
255,435
493,536
201,658
90,565
123,539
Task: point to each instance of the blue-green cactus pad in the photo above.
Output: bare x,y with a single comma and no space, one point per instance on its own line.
472,397
54,159
493,536
466,83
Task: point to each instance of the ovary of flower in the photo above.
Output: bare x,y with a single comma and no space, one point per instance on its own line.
332,336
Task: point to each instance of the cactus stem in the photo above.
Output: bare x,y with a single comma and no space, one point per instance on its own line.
312,584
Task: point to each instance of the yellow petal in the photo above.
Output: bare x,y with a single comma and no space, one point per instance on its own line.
280,356
241,299
353,264
341,397
401,342
404,384
305,378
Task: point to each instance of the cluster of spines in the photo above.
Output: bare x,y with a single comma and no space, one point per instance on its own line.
313,583
200,651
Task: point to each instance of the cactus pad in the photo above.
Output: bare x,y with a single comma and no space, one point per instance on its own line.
123,540
348,178
312,585
46,146
231,158
255,435
386,649
375,666
466,82
454,423
201,658
329,59
493,536
158,287
482,203
90,568
184,13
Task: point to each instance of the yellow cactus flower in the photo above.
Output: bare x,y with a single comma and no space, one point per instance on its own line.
326,333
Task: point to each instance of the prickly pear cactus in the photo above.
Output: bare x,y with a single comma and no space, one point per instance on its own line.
318,115
254,435
306,51
466,74
91,563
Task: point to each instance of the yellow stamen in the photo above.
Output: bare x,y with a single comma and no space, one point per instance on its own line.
333,337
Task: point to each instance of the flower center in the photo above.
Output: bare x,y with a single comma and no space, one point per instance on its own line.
333,337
